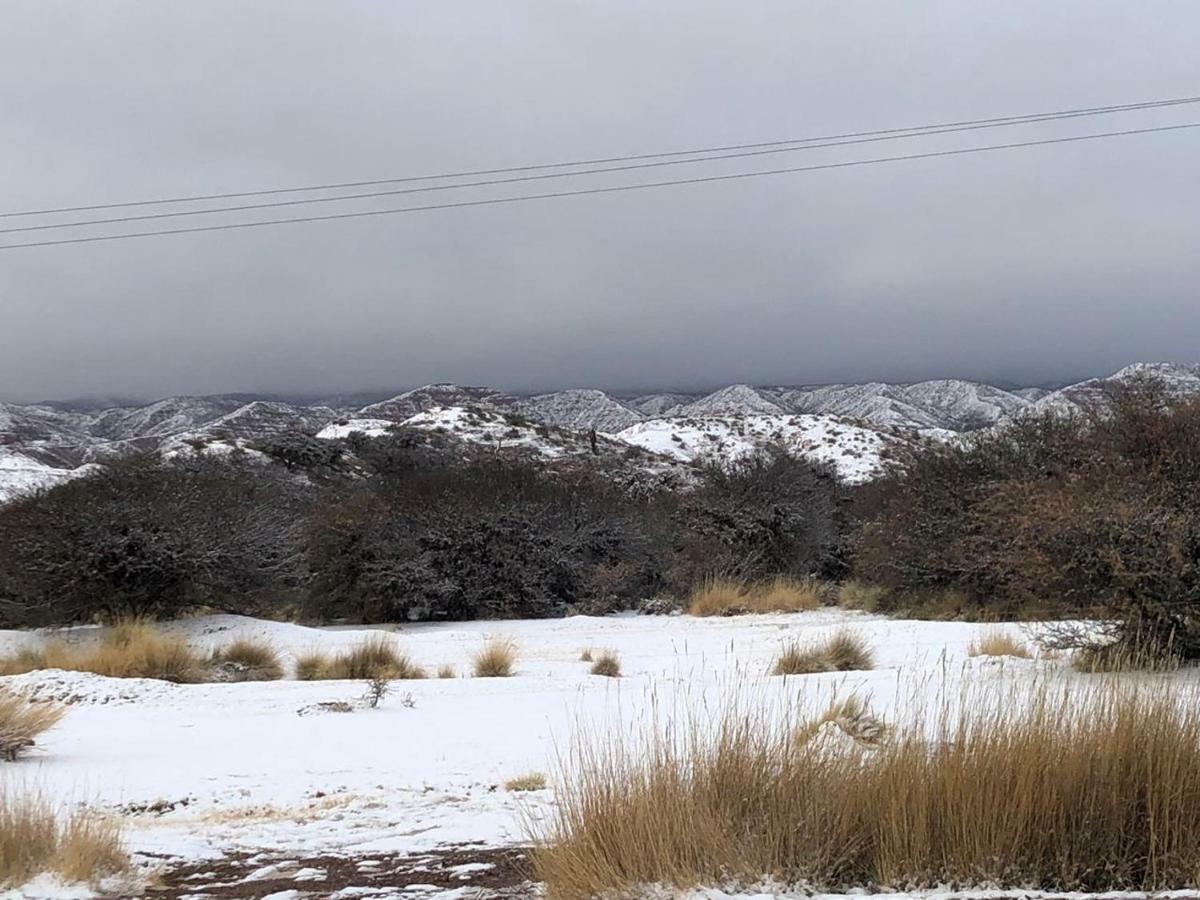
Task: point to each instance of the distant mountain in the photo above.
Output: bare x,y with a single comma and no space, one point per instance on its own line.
830,421
580,409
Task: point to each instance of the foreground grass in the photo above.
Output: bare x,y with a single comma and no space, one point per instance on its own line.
1061,790
33,840
22,722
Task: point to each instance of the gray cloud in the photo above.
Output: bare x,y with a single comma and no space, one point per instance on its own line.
1027,266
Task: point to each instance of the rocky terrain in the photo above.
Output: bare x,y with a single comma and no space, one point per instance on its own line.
849,424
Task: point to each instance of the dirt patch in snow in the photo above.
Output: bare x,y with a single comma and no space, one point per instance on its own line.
487,872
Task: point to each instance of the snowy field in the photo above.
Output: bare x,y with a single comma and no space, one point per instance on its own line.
261,773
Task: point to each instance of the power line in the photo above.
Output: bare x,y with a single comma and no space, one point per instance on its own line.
929,132
918,130
606,190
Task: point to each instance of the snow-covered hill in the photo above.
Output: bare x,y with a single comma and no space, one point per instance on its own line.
61,437
858,454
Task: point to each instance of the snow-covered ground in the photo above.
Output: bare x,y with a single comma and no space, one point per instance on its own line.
202,771
21,474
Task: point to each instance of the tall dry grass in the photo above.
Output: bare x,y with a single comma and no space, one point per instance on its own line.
844,650
33,839
728,597
374,657
495,659
1062,789
249,660
996,642
129,649
22,722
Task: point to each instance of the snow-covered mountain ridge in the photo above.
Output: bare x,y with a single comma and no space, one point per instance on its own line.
681,427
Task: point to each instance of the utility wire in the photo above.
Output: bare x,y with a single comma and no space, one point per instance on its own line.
1037,118
607,190
918,129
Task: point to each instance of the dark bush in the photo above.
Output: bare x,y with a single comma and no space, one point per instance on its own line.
144,536
769,514
490,538
1095,513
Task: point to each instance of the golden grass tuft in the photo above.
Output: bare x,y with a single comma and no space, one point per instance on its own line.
586,655
997,642
1062,788
495,659
22,722
33,840
607,664
532,781
860,596
728,597
252,660
445,671
375,657
842,651
131,648
313,665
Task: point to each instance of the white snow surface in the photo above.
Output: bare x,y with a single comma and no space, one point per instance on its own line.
856,452
21,474
202,770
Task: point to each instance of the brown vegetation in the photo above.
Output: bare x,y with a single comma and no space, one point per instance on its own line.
495,659
22,722
728,597
607,664
1094,790
83,848
842,651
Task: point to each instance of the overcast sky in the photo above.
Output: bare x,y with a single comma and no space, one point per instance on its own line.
1025,266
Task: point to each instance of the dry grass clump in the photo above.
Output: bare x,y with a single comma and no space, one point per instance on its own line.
585,655
842,651
313,665
998,643
250,660
21,722
607,664
533,781
84,848
727,597
445,671
495,659
376,657
853,717
1065,789
859,595
131,648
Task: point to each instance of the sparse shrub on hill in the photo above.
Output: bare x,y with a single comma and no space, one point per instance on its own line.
146,536
297,450
1056,516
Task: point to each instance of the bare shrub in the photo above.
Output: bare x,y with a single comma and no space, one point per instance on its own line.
377,688
607,664
33,839
1063,789
995,642
495,659
843,651
532,781
22,722
250,660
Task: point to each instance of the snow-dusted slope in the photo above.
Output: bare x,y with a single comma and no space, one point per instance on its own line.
1180,381
735,400
408,404
580,409
858,454
21,474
